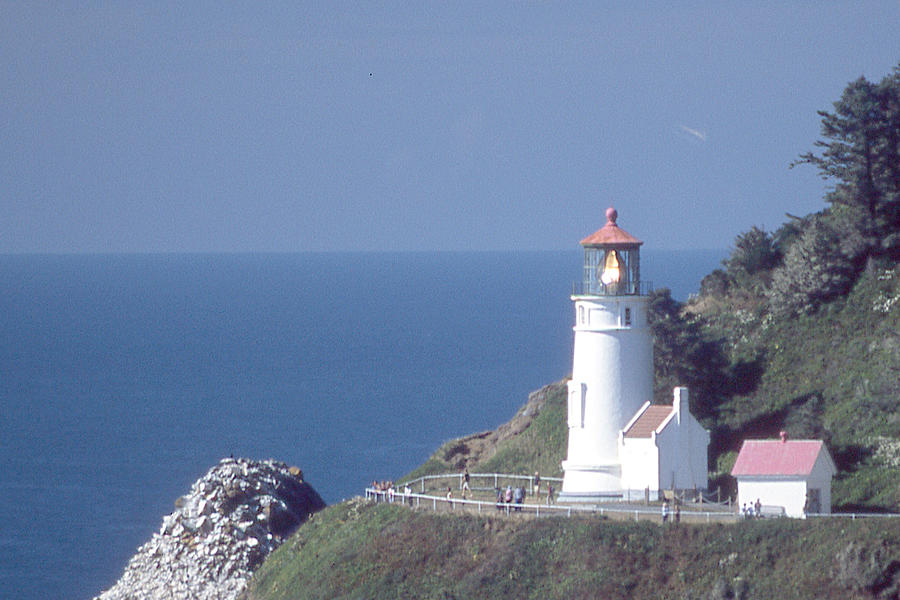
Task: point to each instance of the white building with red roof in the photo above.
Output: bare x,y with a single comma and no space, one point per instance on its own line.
792,474
664,447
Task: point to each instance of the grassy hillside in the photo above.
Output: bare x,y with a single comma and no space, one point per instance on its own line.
534,440
800,331
360,550
832,374
829,374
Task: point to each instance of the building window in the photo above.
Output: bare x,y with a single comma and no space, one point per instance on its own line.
581,315
583,401
627,316
576,405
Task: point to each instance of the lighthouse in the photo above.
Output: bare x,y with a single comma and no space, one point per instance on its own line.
612,366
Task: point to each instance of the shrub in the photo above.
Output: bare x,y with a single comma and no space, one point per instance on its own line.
815,270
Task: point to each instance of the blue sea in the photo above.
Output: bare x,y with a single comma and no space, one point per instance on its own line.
123,378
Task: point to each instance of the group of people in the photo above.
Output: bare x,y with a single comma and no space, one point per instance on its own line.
752,511
666,510
385,491
510,496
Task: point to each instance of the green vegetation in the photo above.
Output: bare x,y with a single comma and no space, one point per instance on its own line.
360,550
800,326
534,440
798,331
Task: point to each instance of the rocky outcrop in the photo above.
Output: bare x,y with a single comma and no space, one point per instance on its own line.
219,533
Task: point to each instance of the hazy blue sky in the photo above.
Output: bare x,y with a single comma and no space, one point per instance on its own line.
149,126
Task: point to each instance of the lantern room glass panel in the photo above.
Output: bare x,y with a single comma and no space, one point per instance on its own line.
611,271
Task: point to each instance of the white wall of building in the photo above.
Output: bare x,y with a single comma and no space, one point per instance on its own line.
640,466
683,443
674,458
789,492
612,376
820,478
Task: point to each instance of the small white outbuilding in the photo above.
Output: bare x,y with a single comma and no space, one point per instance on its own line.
663,447
794,475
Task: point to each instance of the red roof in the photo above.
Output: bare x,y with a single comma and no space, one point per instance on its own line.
611,234
649,421
777,457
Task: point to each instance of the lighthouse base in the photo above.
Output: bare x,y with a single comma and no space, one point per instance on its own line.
591,482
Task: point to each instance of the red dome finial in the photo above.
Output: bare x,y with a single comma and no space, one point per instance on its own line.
611,215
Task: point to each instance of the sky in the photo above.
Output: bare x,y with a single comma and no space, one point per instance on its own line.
307,126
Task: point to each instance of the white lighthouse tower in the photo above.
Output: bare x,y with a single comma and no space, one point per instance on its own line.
612,369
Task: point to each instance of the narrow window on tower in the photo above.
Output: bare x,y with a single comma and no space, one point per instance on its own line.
581,315
627,316
583,401
574,408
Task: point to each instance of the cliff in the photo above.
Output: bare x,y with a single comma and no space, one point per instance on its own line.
219,533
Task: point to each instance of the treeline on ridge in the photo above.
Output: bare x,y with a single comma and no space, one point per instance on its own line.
796,331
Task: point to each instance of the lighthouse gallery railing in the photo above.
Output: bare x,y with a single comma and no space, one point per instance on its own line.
597,288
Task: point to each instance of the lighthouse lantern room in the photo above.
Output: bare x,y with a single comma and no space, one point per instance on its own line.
612,264
612,367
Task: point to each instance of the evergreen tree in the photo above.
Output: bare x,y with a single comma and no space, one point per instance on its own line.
754,251
861,154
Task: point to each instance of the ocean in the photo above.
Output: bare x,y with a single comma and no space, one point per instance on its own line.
123,378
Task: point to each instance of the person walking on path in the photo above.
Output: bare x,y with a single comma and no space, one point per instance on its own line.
465,486
550,499
665,510
519,497
537,484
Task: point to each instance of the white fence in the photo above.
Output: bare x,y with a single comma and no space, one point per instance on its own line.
496,481
444,503
490,481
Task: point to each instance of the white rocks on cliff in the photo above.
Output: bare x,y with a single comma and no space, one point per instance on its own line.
219,533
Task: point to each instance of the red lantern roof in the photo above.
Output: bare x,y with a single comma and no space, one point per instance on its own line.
611,234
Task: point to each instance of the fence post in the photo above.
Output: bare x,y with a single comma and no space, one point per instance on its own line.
495,481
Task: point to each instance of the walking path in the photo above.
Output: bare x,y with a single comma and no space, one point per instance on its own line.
482,499
431,494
